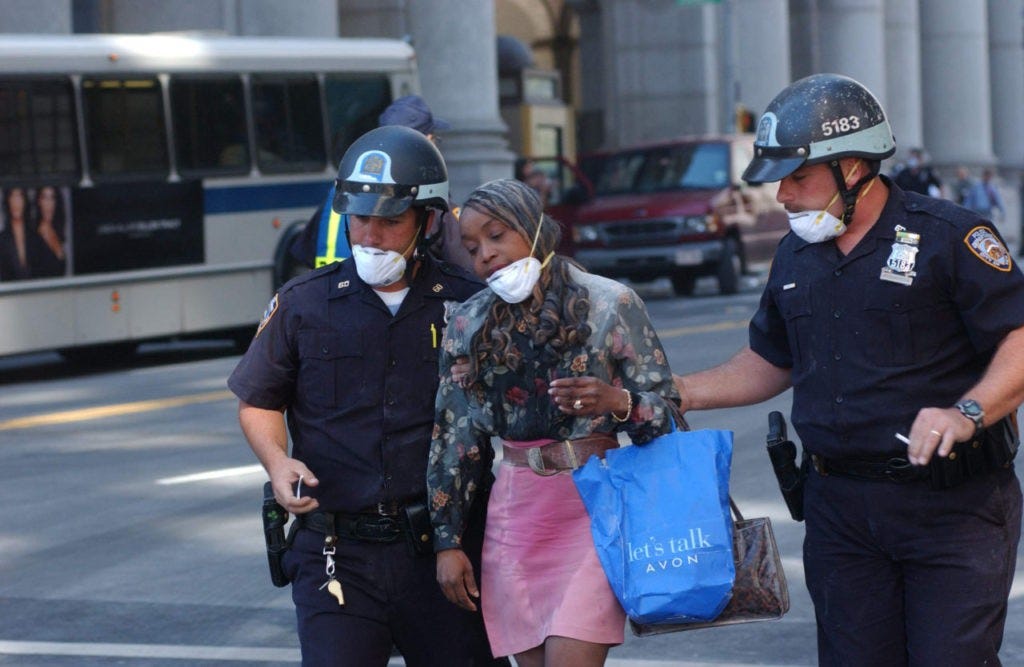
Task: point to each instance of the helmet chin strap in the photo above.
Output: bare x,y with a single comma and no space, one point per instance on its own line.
849,194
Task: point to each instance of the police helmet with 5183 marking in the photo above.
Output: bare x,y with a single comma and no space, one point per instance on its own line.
819,118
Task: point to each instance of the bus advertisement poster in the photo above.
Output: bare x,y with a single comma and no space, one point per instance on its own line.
119,227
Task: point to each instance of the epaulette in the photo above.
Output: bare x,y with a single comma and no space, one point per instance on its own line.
943,209
312,274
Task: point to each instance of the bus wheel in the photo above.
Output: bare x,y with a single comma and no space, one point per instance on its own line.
106,354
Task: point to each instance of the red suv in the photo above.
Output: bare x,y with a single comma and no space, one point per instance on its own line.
674,209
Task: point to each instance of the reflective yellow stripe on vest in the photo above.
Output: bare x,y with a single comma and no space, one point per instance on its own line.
329,253
327,250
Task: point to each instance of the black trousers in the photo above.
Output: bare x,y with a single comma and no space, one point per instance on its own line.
901,574
392,599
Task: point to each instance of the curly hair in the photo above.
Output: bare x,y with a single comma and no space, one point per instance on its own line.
555,316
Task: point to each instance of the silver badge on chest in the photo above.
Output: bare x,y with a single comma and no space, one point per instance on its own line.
899,268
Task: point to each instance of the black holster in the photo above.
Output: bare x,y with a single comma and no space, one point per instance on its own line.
274,519
791,477
421,531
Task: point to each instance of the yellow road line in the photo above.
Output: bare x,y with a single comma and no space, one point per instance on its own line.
99,412
703,328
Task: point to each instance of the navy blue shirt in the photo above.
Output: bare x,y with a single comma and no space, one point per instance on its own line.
358,383
896,325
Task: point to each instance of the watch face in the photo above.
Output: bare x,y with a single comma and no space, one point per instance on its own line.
970,408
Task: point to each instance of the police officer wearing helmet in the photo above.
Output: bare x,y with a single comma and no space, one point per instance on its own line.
898,320
348,354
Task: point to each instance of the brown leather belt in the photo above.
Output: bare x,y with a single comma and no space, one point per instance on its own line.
563,455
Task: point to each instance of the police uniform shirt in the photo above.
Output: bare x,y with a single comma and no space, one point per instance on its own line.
892,327
357,382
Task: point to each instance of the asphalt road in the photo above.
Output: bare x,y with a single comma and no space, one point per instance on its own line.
131,533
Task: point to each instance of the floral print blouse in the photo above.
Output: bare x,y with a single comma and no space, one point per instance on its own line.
623,350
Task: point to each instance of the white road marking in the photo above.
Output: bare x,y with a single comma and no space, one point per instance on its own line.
212,474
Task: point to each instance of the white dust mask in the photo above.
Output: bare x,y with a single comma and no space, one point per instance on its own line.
818,226
515,282
378,268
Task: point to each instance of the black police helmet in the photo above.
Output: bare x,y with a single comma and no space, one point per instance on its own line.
819,118
389,169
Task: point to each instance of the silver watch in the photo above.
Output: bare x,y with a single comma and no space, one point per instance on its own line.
969,408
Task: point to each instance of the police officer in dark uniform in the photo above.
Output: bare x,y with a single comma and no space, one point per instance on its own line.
898,319
349,354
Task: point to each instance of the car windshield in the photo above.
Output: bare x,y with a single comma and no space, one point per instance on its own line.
681,167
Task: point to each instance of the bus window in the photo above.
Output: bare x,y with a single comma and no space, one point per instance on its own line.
289,127
37,130
353,106
125,127
208,116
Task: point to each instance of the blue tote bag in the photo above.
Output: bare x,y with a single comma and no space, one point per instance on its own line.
659,515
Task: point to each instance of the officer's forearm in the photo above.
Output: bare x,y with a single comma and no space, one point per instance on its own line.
266,432
1001,389
745,379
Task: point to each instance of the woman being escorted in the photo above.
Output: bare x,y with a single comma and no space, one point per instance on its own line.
555,354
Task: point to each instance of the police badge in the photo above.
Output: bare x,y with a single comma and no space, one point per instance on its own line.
899,268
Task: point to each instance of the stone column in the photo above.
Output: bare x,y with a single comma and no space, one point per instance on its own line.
903,72
455,42
1006,64
851,37
662,70
456,51
36,16
955,83
762,48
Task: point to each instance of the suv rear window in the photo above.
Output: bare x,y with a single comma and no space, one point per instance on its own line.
699,166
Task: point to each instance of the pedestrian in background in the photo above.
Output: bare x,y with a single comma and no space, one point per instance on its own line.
348,354
559,361
916,176
984,198
898,320
962,185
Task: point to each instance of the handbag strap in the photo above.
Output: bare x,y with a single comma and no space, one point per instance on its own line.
737,515
677,416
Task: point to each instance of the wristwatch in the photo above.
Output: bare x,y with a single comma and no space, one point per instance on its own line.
969,408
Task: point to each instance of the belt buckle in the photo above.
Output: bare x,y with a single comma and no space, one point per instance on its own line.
535,459
899,469
387,509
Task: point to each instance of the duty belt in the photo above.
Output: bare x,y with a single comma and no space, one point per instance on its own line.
368,527
562,455
894,469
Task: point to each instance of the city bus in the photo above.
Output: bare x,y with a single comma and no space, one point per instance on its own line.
150,184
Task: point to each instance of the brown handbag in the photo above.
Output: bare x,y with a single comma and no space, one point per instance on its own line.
759,593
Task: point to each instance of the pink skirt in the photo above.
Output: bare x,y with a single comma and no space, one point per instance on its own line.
541,576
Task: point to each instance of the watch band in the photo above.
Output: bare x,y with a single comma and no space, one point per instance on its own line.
969,408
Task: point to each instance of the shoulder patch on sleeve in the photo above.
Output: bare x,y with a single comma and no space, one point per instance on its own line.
267,314
987,247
